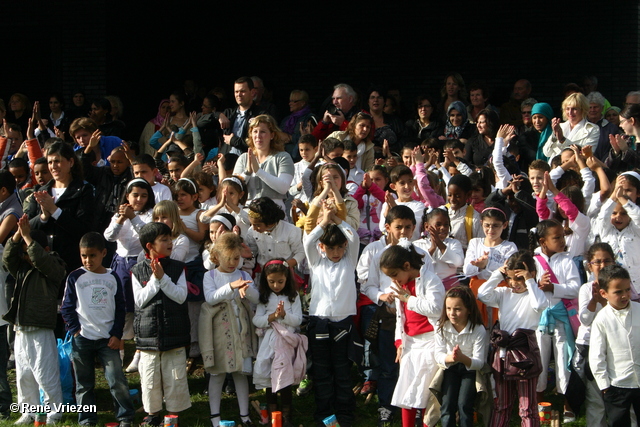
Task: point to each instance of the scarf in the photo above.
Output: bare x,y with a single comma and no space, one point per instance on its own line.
546,110
454,132
290,126
159,118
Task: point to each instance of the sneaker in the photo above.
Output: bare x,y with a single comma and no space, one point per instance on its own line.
568,417
133,366
305,386
125,424
25,419
54,420
385,417
152,420
369,387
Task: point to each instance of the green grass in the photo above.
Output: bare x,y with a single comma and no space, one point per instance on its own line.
198,414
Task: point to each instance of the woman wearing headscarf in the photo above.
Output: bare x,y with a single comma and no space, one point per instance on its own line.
458,126
532,142
152,126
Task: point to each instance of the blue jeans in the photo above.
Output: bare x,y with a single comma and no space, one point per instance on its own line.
458,395
84,352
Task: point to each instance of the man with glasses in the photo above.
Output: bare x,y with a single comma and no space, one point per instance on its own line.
300,122
596,108
525,112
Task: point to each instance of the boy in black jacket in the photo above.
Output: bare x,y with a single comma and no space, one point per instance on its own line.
161,325
39,275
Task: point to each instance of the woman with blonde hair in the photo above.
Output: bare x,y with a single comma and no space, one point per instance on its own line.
266,168
575,130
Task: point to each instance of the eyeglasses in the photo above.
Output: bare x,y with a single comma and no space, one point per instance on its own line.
601,262
526,113
491,226
293,101
425,106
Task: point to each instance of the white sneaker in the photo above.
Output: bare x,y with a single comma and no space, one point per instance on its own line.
133,366
53,420
25,419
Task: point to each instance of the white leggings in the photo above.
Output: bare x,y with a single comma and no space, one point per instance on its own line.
553,343
215,394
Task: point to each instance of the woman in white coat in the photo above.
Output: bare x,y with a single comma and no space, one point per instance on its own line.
575,130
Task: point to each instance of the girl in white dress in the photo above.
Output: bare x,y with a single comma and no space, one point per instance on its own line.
279,302
419,296
228,284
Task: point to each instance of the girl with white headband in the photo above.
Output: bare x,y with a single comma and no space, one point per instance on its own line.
231,198
134,212
618,224
186,195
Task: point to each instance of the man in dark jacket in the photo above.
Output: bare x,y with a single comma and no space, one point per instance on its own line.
236,134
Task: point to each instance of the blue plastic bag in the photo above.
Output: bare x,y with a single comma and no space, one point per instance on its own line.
66,370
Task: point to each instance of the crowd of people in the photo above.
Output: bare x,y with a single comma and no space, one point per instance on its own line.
450,252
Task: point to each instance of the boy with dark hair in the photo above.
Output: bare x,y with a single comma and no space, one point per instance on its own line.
33,312
332,148
332,254
356,175
175,165
10,206
307,146
93,309
145,167
615,339
160,293
20,170
402,182
110,183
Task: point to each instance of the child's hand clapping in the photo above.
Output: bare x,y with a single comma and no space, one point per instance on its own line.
157,269
545,282
481,262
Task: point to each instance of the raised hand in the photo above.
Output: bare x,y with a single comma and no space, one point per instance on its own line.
482,261
506,132
557,130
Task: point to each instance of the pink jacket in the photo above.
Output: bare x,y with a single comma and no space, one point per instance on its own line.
290,358
428,196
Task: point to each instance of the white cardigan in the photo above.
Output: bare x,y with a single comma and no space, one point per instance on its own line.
583,134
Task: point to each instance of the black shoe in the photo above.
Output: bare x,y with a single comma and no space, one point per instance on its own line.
5,415
152,420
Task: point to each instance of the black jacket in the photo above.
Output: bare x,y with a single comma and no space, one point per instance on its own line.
525,219
108,189
77,218
162,324
239,141
412,130
35,297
